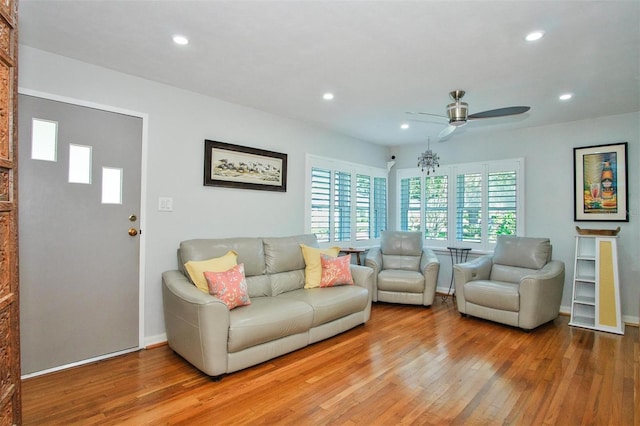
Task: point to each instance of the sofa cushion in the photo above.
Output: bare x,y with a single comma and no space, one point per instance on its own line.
401,280
283,254
335,271
259,285
522,252
196,269
401,243
283,282
409,263
250,252
330,303
229,286
267,319
493,294
510,274
313,268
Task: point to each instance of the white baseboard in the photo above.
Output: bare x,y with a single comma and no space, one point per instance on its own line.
155,340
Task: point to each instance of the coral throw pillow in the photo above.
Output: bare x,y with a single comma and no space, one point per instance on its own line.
196,269
229,286
336,271
313,268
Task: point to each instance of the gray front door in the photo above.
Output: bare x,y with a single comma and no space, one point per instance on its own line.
79,266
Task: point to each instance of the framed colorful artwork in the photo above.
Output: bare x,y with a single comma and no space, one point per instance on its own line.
600,183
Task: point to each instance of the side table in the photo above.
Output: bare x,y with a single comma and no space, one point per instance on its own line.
356,251
458,255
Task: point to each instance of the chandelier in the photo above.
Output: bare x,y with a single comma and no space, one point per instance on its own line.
428,160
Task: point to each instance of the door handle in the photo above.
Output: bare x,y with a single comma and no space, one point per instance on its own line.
133,232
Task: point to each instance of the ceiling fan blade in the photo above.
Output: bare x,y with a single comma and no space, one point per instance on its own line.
446,131
440,117
500,112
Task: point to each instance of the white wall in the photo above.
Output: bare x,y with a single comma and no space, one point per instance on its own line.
548,153
179,122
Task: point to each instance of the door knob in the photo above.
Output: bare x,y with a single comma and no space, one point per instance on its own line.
133,232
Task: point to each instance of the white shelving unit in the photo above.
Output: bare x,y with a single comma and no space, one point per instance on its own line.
596,286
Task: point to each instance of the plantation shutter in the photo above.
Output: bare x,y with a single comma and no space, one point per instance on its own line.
379,206
436,207
320,203
469,207
410,204
342,209
363,207
501,204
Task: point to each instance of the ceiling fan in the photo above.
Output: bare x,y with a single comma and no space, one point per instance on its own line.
458,113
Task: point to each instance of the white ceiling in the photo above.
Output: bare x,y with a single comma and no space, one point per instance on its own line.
380,58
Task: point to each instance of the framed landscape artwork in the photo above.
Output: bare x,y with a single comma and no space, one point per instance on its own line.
236,166
600,183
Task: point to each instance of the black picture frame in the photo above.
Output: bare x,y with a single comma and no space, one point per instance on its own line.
236,166
600,182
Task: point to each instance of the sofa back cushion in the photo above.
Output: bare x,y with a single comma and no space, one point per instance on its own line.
283,254
522,252
250,252
401,250
401,243
515,257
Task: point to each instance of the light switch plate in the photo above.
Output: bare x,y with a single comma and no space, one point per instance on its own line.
165,204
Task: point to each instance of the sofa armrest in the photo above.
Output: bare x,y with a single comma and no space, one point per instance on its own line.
363,277
197,324
430,268
476,269
374,261
541,295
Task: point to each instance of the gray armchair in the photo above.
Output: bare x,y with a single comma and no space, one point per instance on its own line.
518,285
404,271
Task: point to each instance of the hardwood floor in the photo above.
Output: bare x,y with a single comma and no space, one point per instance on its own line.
407,365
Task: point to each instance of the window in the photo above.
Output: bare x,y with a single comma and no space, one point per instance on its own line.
363,207
436,215
379,220
484,201
80,164
347,202
320,203
44,139
342,210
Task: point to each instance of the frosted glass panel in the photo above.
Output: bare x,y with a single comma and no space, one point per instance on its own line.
44,137
79,164
111,185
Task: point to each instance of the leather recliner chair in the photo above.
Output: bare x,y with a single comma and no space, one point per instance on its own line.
404,271
519,285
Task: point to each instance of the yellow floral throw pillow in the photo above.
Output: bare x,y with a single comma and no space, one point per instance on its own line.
313,268
196,269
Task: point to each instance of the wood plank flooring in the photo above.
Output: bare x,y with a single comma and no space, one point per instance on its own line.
407,365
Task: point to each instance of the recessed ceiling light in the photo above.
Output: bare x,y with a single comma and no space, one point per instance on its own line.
535,35
565,96
327,96
404,126
180,39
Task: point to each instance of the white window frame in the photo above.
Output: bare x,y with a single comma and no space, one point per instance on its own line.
313,161
452,171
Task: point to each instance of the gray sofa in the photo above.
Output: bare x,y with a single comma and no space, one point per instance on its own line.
518,285
283,316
